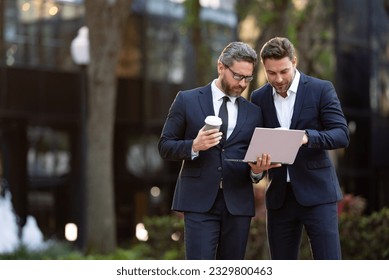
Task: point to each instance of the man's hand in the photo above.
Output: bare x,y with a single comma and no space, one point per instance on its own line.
263,163
206,139
305,139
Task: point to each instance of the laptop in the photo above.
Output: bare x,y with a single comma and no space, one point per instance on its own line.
280,143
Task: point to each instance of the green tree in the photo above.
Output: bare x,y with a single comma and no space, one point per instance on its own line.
201,51
307,23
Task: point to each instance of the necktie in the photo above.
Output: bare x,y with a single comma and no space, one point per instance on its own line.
223,114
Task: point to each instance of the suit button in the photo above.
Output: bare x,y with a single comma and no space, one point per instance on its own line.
219,169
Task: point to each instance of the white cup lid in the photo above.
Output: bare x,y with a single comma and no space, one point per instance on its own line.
213,120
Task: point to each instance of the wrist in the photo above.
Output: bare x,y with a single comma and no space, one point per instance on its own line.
256,177
255,174
194,147
306,136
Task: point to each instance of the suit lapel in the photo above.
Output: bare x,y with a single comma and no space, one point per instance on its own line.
270,111
205,100
242,116
298,104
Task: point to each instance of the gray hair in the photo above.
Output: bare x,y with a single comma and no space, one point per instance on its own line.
238,51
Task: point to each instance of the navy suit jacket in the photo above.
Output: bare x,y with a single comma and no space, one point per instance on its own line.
317,110
199,179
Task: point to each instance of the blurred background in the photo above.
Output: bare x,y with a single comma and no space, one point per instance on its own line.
141,53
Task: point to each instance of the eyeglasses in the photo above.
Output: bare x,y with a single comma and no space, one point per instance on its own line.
239,77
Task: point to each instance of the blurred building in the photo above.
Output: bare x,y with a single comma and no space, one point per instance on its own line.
40,105
362,81
41,89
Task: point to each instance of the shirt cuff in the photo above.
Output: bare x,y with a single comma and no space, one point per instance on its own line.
255,178
194,154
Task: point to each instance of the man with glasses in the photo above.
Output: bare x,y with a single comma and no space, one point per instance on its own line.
215,195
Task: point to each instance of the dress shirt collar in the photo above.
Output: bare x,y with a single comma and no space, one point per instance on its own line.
293,87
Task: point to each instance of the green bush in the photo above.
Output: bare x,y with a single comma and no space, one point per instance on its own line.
365,237
362,237
160,244
53,251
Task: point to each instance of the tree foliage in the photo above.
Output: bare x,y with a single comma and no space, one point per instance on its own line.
306,23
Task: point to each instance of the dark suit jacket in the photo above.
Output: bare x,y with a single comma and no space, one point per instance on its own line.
318,111
199,179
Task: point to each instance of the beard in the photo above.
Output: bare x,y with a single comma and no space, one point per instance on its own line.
281,88
233,91
285,85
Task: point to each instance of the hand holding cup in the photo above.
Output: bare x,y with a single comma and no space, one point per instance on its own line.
212,122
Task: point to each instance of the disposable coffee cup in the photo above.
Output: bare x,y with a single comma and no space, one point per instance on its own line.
212,122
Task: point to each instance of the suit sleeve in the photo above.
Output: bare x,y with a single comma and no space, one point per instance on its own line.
172,144
334,133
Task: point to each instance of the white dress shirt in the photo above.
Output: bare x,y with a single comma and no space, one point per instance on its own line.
232,107
284,106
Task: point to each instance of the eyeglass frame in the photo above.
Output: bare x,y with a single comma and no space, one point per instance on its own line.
239,77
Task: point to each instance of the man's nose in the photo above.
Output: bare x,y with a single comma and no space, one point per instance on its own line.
243,83
279,78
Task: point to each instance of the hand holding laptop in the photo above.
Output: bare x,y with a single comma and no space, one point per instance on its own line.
280,143
262,164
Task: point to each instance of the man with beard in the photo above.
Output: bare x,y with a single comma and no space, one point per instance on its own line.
304,194
215,195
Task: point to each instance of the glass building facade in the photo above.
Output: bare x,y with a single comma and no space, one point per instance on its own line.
362,80
40,100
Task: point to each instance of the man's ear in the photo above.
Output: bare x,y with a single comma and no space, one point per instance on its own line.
294,61
220,66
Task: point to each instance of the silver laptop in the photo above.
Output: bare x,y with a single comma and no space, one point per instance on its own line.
280,143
